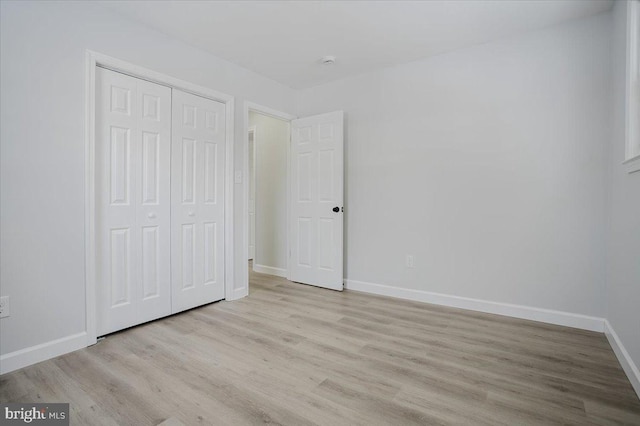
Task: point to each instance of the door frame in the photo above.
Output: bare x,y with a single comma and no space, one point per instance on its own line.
251,174
251,106
92,60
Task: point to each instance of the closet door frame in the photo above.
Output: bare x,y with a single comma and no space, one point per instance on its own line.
93,60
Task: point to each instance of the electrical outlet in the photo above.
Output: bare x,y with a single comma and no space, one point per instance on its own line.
4,307
409,261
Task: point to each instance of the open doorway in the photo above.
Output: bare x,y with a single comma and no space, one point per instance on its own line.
268,183
296,185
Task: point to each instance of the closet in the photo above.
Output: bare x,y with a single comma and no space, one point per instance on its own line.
160,156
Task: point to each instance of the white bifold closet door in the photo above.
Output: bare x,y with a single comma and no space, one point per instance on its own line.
133,148
160,166
197,209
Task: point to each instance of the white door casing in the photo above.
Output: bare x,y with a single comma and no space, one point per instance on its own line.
133,119
197,192
317,176
252,193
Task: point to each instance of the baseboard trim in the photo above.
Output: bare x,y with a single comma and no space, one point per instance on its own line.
42,352
278,272
625,360
517,311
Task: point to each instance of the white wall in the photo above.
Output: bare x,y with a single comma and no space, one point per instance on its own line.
487,164
42,149
272,139
491,165
623,254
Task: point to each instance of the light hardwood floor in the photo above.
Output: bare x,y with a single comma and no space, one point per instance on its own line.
298,355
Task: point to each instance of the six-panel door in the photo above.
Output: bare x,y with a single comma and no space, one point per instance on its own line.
133,143
316,224
197,192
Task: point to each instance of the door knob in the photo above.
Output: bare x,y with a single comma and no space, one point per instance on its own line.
191,213
336,209
151,215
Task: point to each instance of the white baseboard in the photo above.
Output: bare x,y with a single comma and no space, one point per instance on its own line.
279,272
517,311
42,352
626,362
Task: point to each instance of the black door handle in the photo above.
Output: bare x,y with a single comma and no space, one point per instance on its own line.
336,209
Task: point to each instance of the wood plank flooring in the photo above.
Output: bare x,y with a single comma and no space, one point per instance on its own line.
298,355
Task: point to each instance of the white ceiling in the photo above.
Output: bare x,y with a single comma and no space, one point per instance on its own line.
284,40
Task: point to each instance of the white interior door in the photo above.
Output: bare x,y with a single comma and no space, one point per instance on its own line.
252,194
197,192
133,146
316,224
